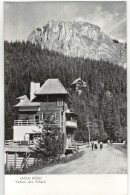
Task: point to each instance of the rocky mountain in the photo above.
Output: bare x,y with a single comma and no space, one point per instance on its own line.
82,39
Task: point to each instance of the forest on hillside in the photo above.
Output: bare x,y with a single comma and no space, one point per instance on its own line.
103,102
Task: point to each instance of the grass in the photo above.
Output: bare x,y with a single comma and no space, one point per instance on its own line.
121,147
42,164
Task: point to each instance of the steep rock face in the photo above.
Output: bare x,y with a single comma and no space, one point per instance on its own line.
80,39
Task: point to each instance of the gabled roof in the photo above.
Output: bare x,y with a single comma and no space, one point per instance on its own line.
79,80
26,102
52,86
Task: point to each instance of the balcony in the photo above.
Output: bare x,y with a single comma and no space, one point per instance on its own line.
31,122
71,124
27,122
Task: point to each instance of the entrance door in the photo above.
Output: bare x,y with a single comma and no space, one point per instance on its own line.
26,137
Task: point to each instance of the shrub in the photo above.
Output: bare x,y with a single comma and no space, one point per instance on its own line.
51,144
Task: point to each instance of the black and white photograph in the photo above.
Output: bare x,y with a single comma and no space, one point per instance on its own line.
65,79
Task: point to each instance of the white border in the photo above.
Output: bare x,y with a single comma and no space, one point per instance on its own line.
1,101
69,185
57,185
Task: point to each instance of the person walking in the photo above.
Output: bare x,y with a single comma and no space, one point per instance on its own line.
95,144
101,145
92,144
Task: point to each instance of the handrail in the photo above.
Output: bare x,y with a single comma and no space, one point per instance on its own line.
71,124
11,142
30,122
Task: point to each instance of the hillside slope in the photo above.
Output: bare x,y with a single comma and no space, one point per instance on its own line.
79,39
103,101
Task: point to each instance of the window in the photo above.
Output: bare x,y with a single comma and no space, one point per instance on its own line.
61,121
37,117
61,115
43,116
51,117
59,102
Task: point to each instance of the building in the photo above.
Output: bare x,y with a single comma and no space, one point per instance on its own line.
78,85
51,99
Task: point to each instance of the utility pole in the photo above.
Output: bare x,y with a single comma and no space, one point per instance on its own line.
88,126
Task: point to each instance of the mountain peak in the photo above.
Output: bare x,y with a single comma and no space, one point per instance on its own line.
79,38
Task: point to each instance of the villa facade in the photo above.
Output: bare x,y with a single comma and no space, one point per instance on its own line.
51,99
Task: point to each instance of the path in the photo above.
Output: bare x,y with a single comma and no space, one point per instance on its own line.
107,161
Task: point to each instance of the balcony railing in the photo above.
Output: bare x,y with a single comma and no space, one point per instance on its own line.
31,122
71,124
11,143
27,122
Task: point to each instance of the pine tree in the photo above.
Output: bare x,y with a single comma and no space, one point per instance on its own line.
26,62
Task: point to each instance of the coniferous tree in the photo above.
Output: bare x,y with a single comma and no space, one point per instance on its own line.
103,101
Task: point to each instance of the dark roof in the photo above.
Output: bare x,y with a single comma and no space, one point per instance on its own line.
52,86
26,102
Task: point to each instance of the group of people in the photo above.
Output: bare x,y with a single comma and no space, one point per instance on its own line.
94,145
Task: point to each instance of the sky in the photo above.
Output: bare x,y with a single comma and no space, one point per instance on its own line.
21,18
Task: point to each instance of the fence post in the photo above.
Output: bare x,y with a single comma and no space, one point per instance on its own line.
76,147
7,159
15,160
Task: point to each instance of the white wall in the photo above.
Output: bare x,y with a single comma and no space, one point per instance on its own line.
20,131
33,88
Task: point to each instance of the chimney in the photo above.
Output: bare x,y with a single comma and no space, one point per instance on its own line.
33,88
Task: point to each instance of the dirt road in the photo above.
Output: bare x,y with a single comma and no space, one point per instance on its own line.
108,161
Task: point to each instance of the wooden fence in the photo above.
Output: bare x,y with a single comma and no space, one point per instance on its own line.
15,161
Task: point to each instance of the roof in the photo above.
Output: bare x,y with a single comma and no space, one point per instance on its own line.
22,97
52,86
26,102
71,112
79,80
